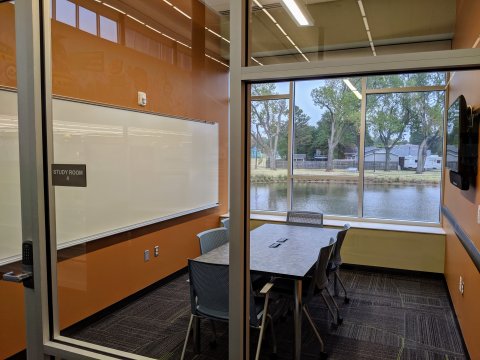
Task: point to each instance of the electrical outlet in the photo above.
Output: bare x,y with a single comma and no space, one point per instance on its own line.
146,255
142,98
478,215
461,285
156,250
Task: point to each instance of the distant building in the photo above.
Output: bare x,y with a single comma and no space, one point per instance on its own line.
299,157
319,156
379,155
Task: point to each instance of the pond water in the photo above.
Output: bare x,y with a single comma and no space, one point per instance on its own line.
384,201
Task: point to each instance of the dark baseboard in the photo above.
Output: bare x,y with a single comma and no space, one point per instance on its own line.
457,324
378,269
122,303
22,355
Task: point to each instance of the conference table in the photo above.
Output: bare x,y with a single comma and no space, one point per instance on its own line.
293,258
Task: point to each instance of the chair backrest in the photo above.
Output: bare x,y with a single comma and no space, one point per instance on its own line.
211,239
208,289
308,218
226,223
336,256
320,278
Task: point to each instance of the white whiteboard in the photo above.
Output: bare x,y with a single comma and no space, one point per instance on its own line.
141,168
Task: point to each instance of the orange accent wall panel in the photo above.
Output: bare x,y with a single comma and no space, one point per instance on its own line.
12,319
467,309
8,73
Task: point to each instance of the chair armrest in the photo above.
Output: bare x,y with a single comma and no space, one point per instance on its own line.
266,288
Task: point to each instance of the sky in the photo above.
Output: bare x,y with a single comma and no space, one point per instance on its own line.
303,99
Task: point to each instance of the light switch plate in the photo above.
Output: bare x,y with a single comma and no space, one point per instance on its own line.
478,215
156,250
146,255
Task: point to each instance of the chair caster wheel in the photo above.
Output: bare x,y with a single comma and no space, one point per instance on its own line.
346,300
212,344
339,321
323,355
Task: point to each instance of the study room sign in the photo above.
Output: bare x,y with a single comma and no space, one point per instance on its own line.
69,175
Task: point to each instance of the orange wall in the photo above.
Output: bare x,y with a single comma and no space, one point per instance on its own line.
464,204
98,274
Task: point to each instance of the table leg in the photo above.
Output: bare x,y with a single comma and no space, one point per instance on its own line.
297,319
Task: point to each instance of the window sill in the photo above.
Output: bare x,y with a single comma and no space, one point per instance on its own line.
418,229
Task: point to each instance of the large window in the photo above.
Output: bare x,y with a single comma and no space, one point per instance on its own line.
270,116
355,147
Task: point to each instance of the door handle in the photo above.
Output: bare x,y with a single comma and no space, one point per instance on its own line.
18,278
26,278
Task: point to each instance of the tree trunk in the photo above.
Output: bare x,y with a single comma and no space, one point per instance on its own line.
387,159
330,156
421,157
273,161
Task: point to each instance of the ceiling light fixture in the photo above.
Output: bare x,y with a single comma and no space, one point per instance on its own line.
367,27
114,8
281,30
353,88
298,12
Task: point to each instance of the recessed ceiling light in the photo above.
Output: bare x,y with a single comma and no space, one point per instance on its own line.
298,12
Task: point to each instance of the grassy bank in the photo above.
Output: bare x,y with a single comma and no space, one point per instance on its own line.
378,177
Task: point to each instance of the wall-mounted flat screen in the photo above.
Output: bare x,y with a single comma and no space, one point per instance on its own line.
453,133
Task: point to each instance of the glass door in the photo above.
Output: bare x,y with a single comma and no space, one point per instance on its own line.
126,127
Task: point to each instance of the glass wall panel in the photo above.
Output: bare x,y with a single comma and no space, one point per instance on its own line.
404,155
325,145
269,147
141,108
406,80
10,224
12,311
304,31
66,12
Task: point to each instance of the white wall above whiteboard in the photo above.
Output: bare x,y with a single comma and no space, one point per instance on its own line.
141,168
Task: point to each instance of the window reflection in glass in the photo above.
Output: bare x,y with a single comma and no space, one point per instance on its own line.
406,80
108,29
65,12
87,20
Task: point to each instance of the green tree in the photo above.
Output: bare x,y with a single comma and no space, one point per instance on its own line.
304,133
268,118
341,114
427,124
388,116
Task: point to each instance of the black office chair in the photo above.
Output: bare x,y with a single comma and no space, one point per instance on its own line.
336,261
306,218
209,300
311,286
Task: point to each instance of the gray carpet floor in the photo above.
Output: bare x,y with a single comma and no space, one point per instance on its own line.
390,316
